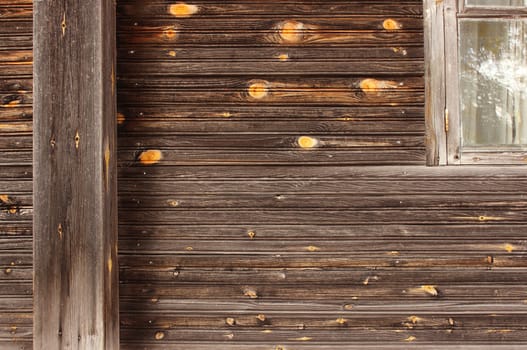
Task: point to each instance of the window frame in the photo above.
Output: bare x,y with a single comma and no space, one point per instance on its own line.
443,122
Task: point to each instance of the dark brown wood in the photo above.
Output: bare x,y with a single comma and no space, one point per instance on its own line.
248,217
15,180
75,231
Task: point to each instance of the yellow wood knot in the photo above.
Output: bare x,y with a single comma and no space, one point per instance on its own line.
226,115
280,347
169,34
251,234
348,307
120,118
173,203
181,9
151,156
230,321
172,53
110,265
283,57
301,339
430,290
410,338
391,24
509,248
229,336
160,335
292,31
250,293
189,249
372,85
366,281
342,321
60,231
8,271
451,321
77,140
4,198
13,210
259,89
11,104
154,300
261,317
267,331
400,50
414,319
313,248
307,142
502,331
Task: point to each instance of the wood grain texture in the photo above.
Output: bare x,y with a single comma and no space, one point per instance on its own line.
16,270
75,183
273,192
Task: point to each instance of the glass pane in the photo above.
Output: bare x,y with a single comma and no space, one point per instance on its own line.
493,82
496,3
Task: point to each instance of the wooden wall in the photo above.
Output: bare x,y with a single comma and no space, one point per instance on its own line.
15,174
273,191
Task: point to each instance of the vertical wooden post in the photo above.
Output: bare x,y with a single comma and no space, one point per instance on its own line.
75,204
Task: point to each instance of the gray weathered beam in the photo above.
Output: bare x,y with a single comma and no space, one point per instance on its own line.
75,232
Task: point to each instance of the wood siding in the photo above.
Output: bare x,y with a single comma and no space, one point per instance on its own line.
233,235
15,174
263,199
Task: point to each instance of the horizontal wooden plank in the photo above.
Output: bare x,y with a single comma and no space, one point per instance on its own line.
135,53
236,320
19,85
16,11
312,291
304,97
396,247
16,42
219,156
301,200
15,288
365,276
289,83
256,111
157,345
478,175
291,9
10,99
170,37
19,26
263,25
311,260
302,127
373,307
295,336
23,127
17,56
349,186
16,113
251,142
272,67
274,231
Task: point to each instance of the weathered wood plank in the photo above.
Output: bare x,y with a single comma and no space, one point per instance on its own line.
311,260
293,9
75,233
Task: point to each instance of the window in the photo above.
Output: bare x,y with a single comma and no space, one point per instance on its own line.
476,81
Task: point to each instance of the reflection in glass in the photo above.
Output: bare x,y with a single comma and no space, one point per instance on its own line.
496,3
493,82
